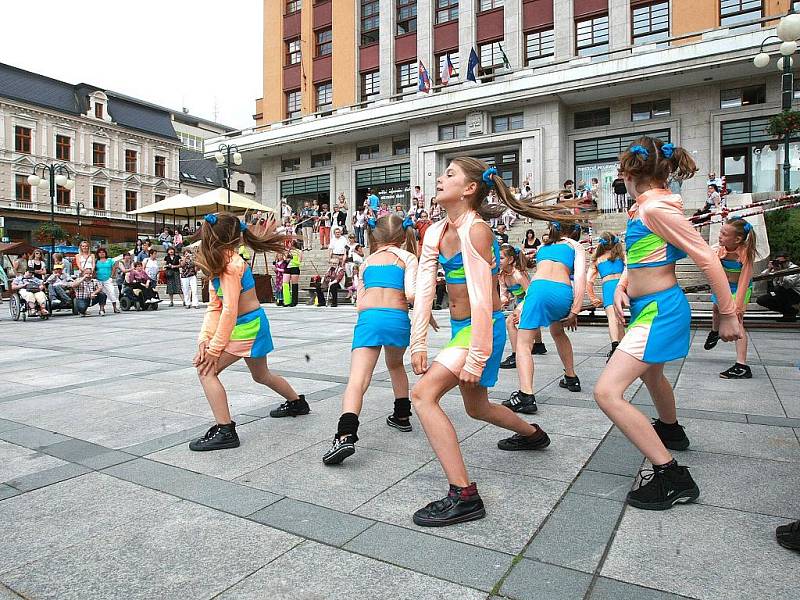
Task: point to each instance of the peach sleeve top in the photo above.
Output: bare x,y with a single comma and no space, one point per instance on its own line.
223,307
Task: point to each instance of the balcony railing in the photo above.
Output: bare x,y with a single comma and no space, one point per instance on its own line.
43,208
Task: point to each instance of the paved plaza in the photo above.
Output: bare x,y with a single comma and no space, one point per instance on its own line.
103,499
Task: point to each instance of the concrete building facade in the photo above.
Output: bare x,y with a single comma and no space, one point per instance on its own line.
563,86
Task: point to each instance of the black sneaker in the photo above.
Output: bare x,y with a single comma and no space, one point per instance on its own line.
672,436
538,441
711,340
401,424
611,352
573,384
456,507
519,401
659,489
539,349
510,362
788,536
737,371
291,408
341,448
219,437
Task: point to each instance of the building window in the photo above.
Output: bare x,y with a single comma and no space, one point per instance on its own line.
489,4
98,154
732,12
592,118
401,147
131,200
446,10
507,123
293,6
240,186
324,42
130,161
290,164
158,197
161,166
441,59
63,143
320,160
406,16
407,76
98,110
755,94
293,53
367,152
591,35
370,85
99,198
642,111
193,142
23,188
491,55
650,23
539,44
324,96
62,196
370,21
453,131
292,104
22,140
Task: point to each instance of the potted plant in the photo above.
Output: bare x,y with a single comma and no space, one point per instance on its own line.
787,122
50,231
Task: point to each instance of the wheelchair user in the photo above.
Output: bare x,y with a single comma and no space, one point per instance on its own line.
57,286
31,289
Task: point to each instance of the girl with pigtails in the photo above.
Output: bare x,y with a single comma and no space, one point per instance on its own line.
235,326
386,288
465,247
736,249
608,263
657,236
514,281
554,295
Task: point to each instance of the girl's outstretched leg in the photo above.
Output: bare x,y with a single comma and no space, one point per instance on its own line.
523,400
223,434
399,419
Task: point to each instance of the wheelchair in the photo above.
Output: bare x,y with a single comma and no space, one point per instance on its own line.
54,303
19,309
131,298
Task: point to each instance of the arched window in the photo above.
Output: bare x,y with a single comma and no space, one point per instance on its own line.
240,186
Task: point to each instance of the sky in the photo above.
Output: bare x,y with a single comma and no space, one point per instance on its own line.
202,55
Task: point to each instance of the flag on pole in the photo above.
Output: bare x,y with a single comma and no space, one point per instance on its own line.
473,64
424,80
447,70
506,62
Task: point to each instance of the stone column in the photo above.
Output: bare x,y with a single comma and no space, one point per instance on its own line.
467,34
619,24
425,21
564,29
387,29
513,44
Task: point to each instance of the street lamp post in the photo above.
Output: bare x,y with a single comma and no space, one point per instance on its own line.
788,31
78,207
52,175
226,155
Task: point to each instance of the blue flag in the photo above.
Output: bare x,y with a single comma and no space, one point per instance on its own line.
474,62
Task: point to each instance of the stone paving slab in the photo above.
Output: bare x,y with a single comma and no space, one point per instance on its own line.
531,580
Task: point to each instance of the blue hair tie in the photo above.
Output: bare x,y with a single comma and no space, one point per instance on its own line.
487,176
667,150
602,242
517,249
615,240
747,226
640,150
408,222
242,226
371,222
555,225
211,218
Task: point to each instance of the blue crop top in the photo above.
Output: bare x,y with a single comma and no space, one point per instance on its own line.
557,252
384,276
731,266
248,282
646,249
610,267
454,266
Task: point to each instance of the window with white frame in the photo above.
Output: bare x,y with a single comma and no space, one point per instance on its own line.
489,4
370,84
406,16
650,22
643,111
446,10
407,76
370,21
293,105
539,44
293,53
441,59
732,12
591,35
324,96
503,123
193,142
452,131
491,55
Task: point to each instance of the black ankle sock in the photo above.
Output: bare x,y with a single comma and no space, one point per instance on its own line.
522,394
301,398
614,345
674,425
228,426
348,425
402,408
673,464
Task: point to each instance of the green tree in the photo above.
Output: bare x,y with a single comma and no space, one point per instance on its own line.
783,227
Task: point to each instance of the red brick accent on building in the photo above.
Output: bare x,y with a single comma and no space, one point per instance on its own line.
537,14
585,8
323,68
291,25
291,77
369,58
405,47
490,25
445,37
322,15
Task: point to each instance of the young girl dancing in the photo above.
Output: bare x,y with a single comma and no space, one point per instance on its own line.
291,279
235,326
468,251
387,288
551,298
737,251
657,236
514,281
608,262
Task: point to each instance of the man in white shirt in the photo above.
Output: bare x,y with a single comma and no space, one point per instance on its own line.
338,245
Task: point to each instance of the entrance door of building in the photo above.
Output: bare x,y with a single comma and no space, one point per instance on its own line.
736,169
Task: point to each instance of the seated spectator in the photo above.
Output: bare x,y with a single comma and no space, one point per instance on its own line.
500,234
331,283
164,238
783,293
57,284
31,290
138,279
88,292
